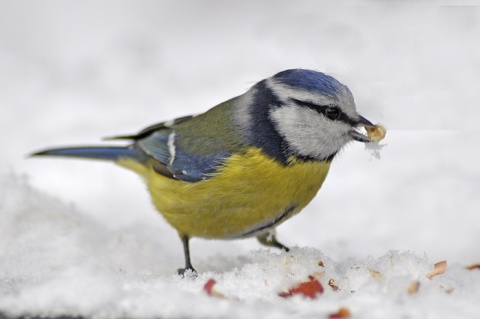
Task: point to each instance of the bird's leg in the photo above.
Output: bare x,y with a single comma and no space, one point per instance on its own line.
269,239
188,264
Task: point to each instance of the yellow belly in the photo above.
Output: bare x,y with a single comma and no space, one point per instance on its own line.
251,194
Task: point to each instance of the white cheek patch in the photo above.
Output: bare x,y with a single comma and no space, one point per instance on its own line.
309,133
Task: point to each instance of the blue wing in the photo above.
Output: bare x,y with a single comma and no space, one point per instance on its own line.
180,152
164,145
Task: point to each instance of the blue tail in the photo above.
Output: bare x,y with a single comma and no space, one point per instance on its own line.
95,152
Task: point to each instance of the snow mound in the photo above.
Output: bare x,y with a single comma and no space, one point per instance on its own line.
55,261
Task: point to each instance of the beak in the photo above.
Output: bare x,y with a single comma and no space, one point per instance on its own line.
356,135
364,122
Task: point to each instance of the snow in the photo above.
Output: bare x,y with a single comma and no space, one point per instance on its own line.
81,238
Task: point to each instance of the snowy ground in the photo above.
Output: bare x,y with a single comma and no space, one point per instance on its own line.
81,238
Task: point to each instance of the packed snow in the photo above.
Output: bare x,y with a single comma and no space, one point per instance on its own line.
81,238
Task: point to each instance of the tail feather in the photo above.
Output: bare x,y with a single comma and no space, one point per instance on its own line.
95,152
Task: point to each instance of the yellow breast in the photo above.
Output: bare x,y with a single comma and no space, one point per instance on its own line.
249,195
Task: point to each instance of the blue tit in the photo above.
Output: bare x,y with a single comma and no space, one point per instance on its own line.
246,165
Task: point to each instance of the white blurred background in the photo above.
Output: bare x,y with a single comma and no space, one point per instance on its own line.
74,72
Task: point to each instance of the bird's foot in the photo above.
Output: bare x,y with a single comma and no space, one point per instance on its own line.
187,272
270,240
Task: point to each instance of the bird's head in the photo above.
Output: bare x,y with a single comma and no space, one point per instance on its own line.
313,113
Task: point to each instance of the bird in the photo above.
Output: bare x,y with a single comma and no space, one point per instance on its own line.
246,165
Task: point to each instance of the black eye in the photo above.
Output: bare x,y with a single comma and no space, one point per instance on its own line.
332,112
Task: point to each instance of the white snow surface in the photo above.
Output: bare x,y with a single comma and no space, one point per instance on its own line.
80,238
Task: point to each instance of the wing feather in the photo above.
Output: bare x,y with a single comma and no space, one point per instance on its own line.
161,143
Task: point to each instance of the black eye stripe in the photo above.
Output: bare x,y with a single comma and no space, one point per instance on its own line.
310,105
323,108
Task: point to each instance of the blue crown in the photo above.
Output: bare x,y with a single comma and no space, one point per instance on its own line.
309,80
